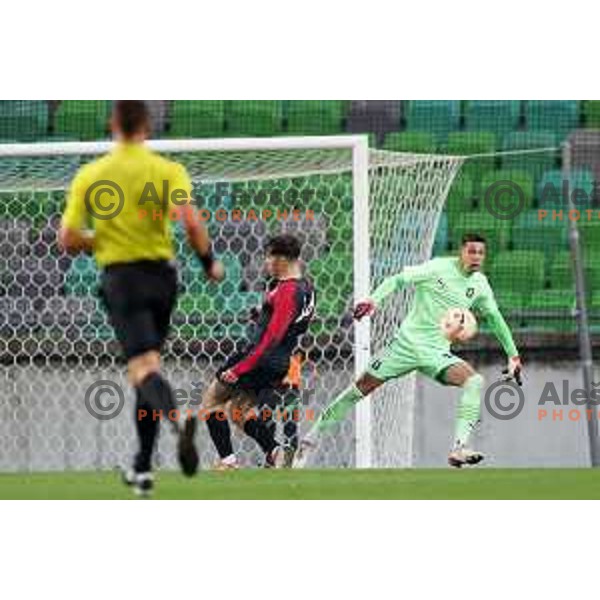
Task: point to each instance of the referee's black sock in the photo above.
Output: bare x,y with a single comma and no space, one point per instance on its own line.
220,434
147,428
158,394
263,435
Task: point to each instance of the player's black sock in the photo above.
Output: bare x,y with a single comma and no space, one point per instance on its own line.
264,436
220,434
147,428
290,432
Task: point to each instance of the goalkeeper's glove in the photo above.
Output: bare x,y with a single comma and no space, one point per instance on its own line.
364,309
514,370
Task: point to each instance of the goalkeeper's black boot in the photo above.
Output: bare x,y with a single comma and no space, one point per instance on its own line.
186,449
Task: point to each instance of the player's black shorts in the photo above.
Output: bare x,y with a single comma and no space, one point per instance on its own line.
261,380
139,298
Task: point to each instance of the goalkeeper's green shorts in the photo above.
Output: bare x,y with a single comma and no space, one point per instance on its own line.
402,356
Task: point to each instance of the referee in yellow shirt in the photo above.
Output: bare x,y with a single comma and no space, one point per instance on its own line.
135,255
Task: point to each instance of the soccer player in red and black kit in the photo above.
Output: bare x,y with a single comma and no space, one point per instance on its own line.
285,315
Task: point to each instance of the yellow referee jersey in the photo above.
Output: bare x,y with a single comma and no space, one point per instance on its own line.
125,197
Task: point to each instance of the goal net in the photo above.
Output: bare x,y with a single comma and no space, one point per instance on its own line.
64,399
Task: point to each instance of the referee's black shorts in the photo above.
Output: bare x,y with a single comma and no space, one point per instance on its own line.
140,297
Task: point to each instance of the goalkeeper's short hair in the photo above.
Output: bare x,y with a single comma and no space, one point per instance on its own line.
472,237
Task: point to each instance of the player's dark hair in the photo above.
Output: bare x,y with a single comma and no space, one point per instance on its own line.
472,237
131,116
285,245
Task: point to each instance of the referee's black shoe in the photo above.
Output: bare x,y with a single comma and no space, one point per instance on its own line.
141,483
186,449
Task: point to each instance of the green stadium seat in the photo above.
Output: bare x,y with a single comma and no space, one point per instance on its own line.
461,199
82,119
197,118
559,116
557,308
411,141
332,277
589,235
561,276
440,243
496,232
529,232
591,113
524,181
253,117
470,143
23,120
438,117
518,271
535,163
497,116
82,277
550,189
509,301
315,117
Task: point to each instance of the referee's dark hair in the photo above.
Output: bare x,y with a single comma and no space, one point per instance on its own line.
284,245
131,116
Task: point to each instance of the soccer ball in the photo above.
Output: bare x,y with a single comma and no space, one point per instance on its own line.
458,324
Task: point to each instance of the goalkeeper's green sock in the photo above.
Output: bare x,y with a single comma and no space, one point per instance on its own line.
337,410
469,407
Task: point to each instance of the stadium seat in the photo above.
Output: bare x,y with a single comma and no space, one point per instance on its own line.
497,116
550,190
312,236
332,277
314,117
439,117
509,301
522,180
197,118
535,163
591,113
471,143
529,232
559,116
253,117
555,309
590,236
440,243
461,199
519,271
411,141
82,119
561,275
496,232
23,120
82,277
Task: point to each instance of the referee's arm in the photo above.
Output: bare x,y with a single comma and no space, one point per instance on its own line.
196,231
72,236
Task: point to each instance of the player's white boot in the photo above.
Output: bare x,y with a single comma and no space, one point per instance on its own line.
229,463
461,456
305,450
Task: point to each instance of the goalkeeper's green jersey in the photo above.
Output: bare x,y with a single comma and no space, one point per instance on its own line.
441,284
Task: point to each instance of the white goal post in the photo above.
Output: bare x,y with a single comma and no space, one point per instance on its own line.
394,200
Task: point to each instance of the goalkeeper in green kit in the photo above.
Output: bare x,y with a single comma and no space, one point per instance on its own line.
420,345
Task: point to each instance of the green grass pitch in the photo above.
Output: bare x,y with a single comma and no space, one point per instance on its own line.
325,484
